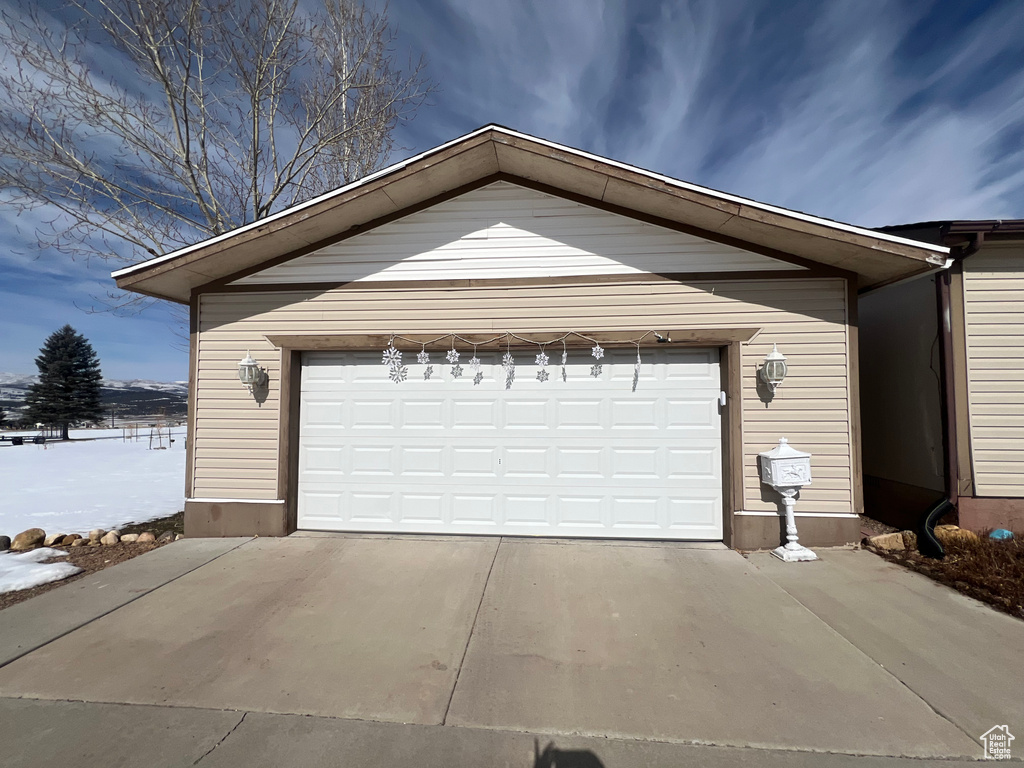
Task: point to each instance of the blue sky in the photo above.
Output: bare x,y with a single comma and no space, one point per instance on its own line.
868,112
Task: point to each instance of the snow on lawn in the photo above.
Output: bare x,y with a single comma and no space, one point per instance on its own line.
26,570
77,486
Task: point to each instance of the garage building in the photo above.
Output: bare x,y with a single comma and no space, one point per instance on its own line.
636,311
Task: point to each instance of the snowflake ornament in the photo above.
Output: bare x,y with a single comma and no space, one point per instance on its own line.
542,359
474,362
595,370
398,373
636,372
542,374
478,378
456,371
391,356
510,376
428,372
453,355
423,358
507,361
565,359
597,352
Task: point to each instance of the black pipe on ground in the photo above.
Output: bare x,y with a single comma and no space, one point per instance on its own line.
927,544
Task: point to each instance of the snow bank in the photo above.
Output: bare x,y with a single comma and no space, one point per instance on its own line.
75,487
26,569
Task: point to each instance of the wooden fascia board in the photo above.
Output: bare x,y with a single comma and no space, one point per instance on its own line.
381,204
725,209
516,156
344,341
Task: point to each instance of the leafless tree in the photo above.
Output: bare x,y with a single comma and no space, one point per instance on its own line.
147,125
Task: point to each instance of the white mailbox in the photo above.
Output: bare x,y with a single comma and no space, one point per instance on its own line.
784,466
787,470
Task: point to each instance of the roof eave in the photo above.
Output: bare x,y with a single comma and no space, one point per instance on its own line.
876,257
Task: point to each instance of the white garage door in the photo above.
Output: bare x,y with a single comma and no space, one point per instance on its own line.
582,457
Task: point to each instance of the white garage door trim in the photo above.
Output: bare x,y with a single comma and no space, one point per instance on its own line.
584,457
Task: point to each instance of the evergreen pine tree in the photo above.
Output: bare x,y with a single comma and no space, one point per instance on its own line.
68,389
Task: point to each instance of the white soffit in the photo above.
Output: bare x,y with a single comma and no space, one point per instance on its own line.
506,231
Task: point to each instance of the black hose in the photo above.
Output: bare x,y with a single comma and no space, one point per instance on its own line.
927,544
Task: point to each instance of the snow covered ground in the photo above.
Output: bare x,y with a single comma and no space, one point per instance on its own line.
77,486
25,570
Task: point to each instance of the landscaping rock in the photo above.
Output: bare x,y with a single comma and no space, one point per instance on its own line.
53,538
70,539
909,539
96,534
146,537
179,537
129,538
29,539
110,538
951,534
166,536
80,543
94,543
887,542
5,543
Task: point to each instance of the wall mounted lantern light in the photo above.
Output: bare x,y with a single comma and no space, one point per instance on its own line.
250,373
774,369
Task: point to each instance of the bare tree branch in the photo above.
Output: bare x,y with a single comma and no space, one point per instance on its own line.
147,125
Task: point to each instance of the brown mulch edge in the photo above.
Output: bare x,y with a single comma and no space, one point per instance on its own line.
174,523
93,559
1008,597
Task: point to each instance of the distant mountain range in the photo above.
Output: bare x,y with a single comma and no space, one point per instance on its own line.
127,399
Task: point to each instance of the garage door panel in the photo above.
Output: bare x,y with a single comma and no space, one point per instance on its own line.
686,514
636,513
415,508
694,464
635,463
369,507
580,414
372,414
481,414
528,462
637,413
475,462
526,510
423,414
421,461
583,457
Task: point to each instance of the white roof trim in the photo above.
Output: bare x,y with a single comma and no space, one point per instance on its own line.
554,145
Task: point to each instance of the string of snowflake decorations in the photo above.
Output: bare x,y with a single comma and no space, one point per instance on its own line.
398,372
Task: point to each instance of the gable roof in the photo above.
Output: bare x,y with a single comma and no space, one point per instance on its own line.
496,152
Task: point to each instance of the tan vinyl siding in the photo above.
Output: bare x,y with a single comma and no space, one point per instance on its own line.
994,318
806,317
504,231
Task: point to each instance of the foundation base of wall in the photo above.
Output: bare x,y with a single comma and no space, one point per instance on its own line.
763,532
207,519
897,504
977,514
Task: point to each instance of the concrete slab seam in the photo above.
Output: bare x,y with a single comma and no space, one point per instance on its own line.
539,732
866,655
472,629
222,740
118,607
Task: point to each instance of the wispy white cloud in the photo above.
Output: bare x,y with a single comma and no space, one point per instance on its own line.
870,112
850,111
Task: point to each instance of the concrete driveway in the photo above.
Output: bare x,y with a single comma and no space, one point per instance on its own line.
297,651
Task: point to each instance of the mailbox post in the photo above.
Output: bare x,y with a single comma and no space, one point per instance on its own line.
787,470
